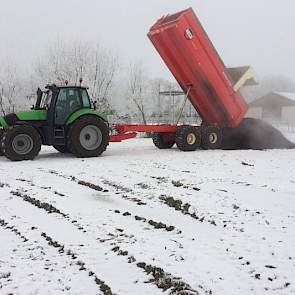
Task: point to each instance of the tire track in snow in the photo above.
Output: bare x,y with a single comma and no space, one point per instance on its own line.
177,204
38,252
229,225
161,279
254,270
61,248
104,288
99,188
74,255
4,224
119,189
140,202
182,205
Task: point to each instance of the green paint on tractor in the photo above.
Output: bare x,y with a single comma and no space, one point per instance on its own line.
33,115
3,123
84,112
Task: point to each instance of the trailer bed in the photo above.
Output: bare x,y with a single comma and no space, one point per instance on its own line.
189,54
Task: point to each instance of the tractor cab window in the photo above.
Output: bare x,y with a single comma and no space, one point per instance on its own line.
85,98
68,101
46,100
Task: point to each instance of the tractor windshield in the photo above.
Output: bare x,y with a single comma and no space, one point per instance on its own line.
46,100
85,98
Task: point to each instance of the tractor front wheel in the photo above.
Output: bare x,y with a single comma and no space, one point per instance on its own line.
188,138
88,137
21,143
164,140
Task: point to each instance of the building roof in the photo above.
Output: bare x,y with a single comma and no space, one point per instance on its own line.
289,95
274,99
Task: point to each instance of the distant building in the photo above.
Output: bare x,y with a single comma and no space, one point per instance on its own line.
274,107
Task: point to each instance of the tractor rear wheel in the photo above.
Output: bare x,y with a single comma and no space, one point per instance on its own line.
188,138
164,140
21,142
1,134
88,137
61,148
211,138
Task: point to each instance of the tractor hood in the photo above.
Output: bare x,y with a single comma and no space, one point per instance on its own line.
33,115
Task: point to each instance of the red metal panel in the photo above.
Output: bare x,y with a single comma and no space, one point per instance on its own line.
129,131
121,137
189,54
146,128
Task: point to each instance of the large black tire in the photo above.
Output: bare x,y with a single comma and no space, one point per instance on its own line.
88,137
20,143
188,138
61,148
1,134
164,140
211,138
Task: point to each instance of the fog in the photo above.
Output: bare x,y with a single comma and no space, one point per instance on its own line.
259,33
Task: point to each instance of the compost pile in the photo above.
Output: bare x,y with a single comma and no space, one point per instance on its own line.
255,134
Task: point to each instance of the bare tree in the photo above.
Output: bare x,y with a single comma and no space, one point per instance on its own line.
97,66
103,69
136,89
9,87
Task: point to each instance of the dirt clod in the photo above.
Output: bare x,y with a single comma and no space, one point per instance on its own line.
91,185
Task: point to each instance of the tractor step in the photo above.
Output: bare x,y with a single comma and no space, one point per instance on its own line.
59,136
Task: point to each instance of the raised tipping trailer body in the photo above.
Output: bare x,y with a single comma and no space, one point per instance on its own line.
192,59
212,88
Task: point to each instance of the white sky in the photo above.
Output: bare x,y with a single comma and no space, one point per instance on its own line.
256,32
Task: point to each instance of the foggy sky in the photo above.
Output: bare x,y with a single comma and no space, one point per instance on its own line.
256,32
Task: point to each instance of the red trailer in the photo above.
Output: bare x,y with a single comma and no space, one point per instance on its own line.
190,56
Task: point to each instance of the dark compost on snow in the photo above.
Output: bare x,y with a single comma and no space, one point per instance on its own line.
255,134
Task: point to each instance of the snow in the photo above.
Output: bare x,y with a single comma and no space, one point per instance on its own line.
220,221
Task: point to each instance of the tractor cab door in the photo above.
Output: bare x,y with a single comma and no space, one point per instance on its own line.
68,101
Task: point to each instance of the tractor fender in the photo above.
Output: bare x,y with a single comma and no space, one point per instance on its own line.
3,123
84,112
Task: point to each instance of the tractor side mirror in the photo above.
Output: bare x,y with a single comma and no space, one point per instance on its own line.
94,104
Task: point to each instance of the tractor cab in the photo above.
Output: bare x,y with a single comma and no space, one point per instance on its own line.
62,101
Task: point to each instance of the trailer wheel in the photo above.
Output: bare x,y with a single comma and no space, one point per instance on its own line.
88,137
61,148
211,138
164,140
1,135
188,138
21,142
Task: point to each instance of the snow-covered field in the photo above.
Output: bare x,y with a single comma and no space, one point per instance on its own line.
142,221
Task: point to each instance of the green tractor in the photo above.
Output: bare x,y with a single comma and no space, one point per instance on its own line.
64,117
